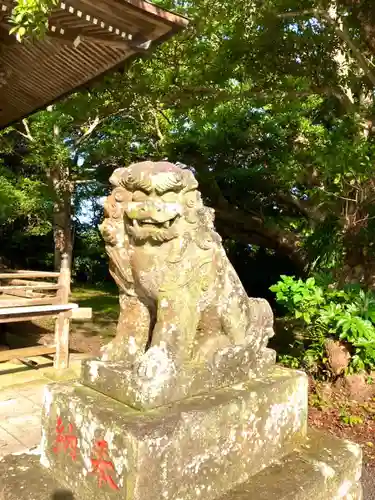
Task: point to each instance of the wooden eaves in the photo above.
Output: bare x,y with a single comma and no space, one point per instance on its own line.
86,39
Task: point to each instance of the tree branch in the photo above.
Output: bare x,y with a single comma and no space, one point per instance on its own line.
89,131
222,95
341,32
236,220
236,224
28,133
97,121
299,13
310,213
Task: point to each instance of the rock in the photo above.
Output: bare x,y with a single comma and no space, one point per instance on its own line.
338,356
358,387
325,391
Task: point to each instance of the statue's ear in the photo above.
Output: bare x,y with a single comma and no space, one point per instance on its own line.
118,175
190,181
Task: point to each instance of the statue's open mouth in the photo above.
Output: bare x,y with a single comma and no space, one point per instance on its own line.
153,224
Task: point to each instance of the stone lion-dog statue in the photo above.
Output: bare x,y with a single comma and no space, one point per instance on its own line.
180,298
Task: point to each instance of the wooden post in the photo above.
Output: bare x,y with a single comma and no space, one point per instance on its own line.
62,324
64,280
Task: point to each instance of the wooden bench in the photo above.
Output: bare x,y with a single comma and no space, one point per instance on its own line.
24,298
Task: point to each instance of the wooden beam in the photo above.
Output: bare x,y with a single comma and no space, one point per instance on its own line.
28,274
24,294
23,318
26,352
77,36
28,302
5,37
49,309
6,288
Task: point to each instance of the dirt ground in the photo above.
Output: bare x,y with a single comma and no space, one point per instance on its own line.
332,412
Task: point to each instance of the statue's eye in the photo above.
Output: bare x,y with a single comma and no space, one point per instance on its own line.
169,197
139,196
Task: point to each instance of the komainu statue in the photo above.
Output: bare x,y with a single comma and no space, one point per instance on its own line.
180,298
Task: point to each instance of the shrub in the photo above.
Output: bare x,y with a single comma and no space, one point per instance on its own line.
321,311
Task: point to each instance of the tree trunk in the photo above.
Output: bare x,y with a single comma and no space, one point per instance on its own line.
62,190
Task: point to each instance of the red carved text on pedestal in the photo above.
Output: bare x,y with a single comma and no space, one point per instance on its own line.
102,466
65,440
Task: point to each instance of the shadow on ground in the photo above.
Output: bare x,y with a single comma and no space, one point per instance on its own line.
62,495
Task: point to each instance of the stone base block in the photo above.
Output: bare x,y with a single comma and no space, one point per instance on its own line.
324,468
197,448
229,366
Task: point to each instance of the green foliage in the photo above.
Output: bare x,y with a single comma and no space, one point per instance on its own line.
90,261
324,312
348,419
30,17
289,361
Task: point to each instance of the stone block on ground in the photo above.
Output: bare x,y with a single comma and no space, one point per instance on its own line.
202,445
324,468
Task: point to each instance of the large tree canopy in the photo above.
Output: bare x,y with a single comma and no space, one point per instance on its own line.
270,102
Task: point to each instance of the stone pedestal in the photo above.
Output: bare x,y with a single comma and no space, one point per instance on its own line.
229,366
244,442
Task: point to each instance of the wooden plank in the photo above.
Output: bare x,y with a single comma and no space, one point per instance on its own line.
26,352
28,302
6,288
29,274
7,311
25,282
26,317
80,313
21,293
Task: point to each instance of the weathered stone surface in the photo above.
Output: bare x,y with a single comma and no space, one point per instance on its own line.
230,366
22,478
181,301
323,468
199,446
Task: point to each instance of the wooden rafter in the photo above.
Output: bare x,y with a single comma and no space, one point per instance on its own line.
76,36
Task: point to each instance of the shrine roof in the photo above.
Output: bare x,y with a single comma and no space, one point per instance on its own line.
86,38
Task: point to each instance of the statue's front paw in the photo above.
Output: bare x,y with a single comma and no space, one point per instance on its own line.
155,364
106,352
123,350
